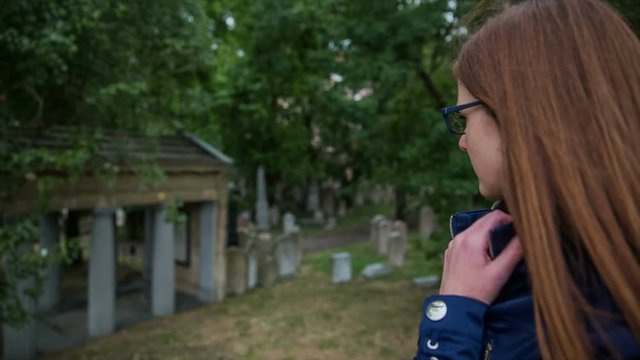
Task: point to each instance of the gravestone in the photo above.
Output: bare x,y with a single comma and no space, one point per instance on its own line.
286,256
340,267
296,236
267,268
384,230
342,209
252,268
236,271
427,221
359,199
288,222
373,231
397,247
262,206
331,223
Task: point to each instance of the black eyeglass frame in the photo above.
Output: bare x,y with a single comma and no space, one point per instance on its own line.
447,111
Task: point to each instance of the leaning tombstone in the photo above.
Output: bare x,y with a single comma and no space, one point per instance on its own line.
340,267
397,246
427,221
384,229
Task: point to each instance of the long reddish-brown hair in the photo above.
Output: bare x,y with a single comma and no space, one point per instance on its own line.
563,80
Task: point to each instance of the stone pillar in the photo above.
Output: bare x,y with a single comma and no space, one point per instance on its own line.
20,341
148,251
340,267
208,240
51,287
162,265
262,206
102,271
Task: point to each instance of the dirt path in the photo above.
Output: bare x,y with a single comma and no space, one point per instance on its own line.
335,239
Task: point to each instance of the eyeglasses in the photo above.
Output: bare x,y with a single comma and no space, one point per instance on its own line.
456,122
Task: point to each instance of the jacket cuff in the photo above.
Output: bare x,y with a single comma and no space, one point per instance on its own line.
451,328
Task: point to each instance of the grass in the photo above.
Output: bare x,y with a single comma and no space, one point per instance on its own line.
304,318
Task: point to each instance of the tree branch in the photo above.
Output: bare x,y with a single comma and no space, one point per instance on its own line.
431,88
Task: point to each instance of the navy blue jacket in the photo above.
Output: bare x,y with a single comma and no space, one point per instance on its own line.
456,327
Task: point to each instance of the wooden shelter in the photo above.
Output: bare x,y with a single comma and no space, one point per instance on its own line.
192,172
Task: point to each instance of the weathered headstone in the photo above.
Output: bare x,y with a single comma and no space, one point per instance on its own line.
384,230
342,209
331,223
252,268
262,206
288,222
359,199
267,269
427,221
397,246
236,271
373,231
375,270
296,236
340,267
398,243
286,256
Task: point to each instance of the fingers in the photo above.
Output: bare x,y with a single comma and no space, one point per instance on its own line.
477,236
509,257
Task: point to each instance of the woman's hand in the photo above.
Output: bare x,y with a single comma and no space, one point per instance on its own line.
468,269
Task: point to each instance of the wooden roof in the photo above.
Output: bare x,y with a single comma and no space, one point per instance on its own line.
125,147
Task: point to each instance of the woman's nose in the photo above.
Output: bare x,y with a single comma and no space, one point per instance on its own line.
462,143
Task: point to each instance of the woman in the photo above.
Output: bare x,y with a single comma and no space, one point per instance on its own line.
551,94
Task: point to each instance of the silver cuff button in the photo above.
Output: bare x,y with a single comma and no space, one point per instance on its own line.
436,310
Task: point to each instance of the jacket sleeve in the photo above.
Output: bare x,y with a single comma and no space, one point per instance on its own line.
451,327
